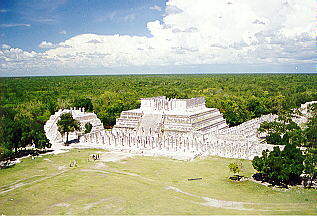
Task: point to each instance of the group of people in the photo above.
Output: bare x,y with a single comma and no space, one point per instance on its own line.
73,163
94,157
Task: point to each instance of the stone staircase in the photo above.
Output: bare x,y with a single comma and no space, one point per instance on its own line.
50,128
128,120
150,123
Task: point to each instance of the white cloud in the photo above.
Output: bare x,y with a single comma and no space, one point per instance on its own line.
155,7
14,25
63,32
47,45
15,60
50,45
5,46
3,10
199,32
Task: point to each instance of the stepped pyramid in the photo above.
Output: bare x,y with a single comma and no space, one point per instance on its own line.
161,114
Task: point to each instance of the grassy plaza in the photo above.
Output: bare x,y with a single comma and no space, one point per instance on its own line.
141,185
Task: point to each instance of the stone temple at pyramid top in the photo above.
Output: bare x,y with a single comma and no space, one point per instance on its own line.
163,115
162,104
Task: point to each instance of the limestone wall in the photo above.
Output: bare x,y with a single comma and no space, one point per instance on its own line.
162,103
195,103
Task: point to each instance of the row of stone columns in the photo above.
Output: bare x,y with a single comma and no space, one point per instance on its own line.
206,144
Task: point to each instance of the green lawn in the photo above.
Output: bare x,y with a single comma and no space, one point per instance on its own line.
139,185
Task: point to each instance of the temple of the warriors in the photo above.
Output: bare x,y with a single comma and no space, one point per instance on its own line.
163,115
179,128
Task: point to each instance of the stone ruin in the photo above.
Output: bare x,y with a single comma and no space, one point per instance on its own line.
180,128
160,115
305,114
80,115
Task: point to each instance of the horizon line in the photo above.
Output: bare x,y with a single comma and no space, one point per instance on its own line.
149,74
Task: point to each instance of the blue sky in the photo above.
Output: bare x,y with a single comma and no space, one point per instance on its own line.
65,37
56,21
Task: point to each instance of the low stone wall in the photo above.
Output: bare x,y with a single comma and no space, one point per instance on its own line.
250,128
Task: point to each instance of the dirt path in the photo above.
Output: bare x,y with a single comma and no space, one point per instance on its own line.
3,187
114,156
115,171
10,187
214,202
207,201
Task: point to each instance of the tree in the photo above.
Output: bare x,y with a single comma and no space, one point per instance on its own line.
22,127
277,103
63,103
283,131
274,138
51,105
234,167
7,136
88,127
284,166
235,111
256,106
260,163
38,137
310,163
311,127
313,109
84,102
67,124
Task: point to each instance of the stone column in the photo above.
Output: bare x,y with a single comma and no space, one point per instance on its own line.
153,143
